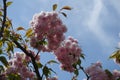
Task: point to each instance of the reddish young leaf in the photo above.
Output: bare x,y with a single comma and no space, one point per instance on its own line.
66,8
20,28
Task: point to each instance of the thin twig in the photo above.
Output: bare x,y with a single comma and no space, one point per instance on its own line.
4,18
37,54
85,72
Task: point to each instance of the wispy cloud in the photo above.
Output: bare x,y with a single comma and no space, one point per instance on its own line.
94,25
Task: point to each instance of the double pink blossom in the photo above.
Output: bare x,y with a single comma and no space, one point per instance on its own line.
48,27
96,72
68,53
18,65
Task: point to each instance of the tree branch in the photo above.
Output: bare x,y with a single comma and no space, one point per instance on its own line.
85,72
4,18
18,44
32,58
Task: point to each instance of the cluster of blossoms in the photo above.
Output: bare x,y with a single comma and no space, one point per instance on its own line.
47,26
68,54
18,65
96,72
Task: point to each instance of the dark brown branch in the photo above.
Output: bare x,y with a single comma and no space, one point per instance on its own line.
32,58
37,54
18,44
4,18
85,72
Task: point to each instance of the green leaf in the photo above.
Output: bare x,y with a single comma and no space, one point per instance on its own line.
64,14
79,62
52,70
9,47
115,54
66,8
20,28
0,19
108,73
26,40
28,33
76,72
54,7
0,13
8,3
1,68
52,61
4,60
8,24
1,43
82,56
118,79
74,65
46,71
6,34
13,76
42,42
39,65
1,52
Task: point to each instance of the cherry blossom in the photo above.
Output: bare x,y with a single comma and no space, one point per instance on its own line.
48,27
68,54
18,65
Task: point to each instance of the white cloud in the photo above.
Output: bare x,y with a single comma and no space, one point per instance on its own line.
94,25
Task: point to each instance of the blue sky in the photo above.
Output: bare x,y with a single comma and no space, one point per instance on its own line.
95,23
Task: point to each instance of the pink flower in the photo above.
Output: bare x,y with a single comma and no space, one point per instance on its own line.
31,74
96,72
33,42
27,58
68,68
18,56
68,43
68,54
47,26
19,66
11,69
